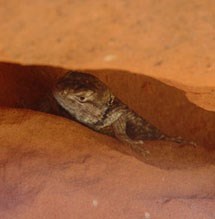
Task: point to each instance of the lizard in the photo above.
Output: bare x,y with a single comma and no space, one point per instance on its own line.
89,101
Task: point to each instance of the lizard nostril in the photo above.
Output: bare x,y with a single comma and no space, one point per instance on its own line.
64,92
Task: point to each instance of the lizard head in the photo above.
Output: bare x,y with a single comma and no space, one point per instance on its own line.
83,96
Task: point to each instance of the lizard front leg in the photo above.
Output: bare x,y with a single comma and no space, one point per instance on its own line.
120,127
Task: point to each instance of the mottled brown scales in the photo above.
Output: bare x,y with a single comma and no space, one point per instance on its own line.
90,101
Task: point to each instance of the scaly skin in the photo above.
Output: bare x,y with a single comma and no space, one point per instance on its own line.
90,102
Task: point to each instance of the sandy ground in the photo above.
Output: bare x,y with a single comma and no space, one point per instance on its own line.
158,57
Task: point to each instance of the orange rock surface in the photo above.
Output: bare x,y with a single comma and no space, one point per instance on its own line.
51,167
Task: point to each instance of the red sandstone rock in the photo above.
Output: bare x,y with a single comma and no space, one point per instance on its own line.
51,167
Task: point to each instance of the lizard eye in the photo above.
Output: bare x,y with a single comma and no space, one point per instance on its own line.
84,96
81,98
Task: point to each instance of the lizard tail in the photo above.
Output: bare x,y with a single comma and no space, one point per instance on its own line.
178,140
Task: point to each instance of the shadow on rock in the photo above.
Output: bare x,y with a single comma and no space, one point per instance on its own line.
164,106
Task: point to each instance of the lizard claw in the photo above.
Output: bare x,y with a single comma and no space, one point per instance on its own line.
141,151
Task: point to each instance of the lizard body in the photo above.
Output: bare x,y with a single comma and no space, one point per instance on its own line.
89,101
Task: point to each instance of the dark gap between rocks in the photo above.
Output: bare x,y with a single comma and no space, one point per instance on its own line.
164,106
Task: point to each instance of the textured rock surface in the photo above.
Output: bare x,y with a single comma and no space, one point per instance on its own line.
51,167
